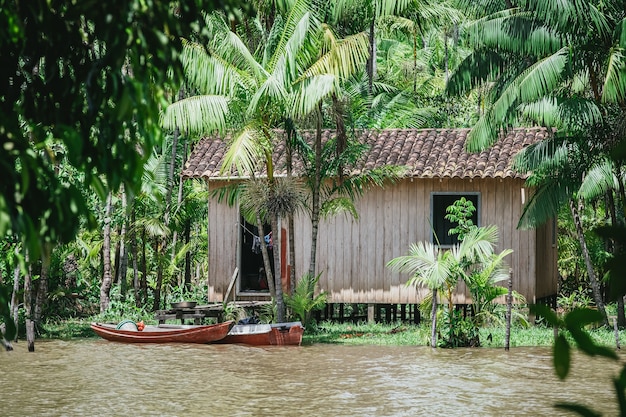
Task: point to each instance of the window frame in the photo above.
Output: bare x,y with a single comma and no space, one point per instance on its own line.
458,194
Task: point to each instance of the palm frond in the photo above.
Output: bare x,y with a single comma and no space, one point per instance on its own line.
309,94
599,180
614,89
197,114
343,58
243,152
544,204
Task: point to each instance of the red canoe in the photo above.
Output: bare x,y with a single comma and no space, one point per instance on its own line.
280,334
167,333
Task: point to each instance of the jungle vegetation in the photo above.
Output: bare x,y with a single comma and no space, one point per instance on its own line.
101,102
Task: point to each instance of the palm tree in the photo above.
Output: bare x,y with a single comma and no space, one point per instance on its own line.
438,268
560,66
261,90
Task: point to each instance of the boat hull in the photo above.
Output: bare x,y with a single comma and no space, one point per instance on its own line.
281,334
164,333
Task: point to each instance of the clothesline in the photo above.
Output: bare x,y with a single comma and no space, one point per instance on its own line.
267,237
256,240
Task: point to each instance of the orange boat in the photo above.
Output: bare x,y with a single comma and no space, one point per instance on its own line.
127,332
279,334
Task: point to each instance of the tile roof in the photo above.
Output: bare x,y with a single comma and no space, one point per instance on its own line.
427,153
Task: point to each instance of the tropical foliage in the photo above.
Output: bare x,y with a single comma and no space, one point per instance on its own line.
78,123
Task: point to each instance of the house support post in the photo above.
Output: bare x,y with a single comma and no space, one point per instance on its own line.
370,313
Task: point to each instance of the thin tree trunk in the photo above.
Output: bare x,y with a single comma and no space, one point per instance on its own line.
123,250
371,62
315,189
266,258
144,267
433,326
15,308
291,226
158,250
615,248
42,286
28,296
278,281
509,308
105,288
179,202
187,278
134,254
595,285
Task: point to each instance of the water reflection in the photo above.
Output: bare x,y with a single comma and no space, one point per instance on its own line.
98,378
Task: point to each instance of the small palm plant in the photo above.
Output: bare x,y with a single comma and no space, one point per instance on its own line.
304,301
438,268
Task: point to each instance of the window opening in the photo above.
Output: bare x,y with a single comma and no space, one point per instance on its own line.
439,203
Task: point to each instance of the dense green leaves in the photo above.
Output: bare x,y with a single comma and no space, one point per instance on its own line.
92,77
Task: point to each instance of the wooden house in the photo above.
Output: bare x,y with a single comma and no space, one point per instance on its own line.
352,254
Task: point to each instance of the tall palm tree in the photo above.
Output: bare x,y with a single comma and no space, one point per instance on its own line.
250,94
558,65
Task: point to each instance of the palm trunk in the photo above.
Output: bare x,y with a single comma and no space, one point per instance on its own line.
133,254
123,264
105,288
315,190
371,62
187,277
433,327
291,227
278,282
595,285
266,258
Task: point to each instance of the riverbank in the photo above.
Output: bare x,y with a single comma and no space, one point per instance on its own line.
377,334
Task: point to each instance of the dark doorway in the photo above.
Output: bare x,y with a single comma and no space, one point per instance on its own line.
252,275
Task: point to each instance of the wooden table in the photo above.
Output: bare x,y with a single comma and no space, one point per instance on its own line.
197,314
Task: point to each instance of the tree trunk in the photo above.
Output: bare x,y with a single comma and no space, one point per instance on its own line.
28,296
123,250
615,248
315,189
187,278
278,281
144,267
158,250
291,226
371,62
16,288
595,285
433,327
266,258
105,288
134,254
42,286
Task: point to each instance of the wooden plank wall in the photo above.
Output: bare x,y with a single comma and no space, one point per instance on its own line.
352,254
223,235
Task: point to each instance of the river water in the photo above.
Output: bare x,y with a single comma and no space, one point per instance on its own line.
98,378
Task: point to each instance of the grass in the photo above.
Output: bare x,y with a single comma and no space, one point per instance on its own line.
419,335
398,334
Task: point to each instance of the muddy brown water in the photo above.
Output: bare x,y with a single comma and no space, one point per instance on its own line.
99,378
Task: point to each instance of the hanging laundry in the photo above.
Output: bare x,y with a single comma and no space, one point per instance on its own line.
256,244
268,240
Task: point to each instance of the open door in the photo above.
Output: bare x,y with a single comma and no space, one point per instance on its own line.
252,277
